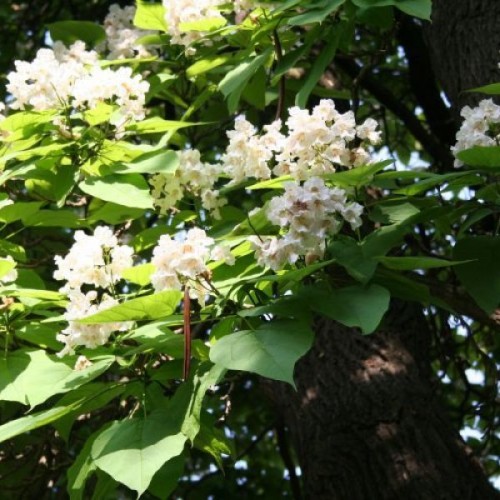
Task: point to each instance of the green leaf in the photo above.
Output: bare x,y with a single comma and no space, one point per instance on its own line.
158,162
271,351
16,251
416,8
185,407
156,306
150,16
491,89
18,210
53,218
112,213
140,275
236,79
70,32
481,277
349,253
99,114
212,440
206,64
358,176
132,451
91,397
275,183
34,421
354,306
53,185
409,263
320,64
6,266
166,480
481,156
317,14
32,377
157,125
402,287
40,335
82,467
205,24
130,190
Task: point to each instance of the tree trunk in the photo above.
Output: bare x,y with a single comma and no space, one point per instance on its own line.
365,422
464,41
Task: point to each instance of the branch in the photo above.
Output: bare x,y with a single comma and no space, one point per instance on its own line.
423,81
284,450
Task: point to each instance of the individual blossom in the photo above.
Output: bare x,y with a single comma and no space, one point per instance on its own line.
122,36
96,260
192,177
11,275
183,262
178,12
481,127
274,252
82,363
77,334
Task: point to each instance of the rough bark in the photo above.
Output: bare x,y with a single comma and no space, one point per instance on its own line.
365,422
464,42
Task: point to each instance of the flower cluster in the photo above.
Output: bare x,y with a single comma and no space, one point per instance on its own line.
122,36
316,143
308,213
96,260
481,127
249,154
193,177
189,11
178,262
93,261
82,305
71,77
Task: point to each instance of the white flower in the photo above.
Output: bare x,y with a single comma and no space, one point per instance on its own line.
480,127
307,215
82,363
122,35
176,261
47,81
276,252
367,131
189,11
192,177
184,262
62,77
96,260
12,274
76,334
247,154
117,86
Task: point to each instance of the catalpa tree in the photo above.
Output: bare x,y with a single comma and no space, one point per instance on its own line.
234,261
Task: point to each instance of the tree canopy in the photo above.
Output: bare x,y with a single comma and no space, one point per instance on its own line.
215,216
